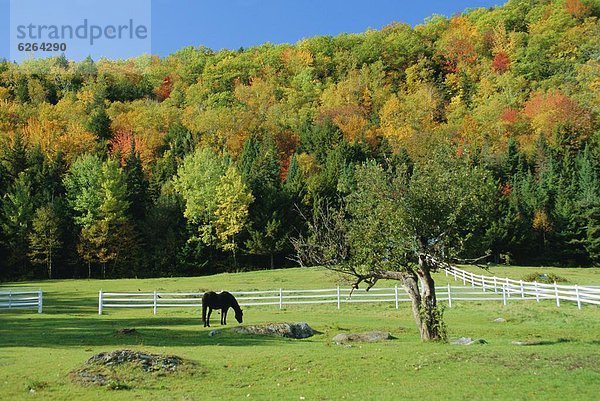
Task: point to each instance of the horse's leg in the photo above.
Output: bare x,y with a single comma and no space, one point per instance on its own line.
208,318
204,314
224,316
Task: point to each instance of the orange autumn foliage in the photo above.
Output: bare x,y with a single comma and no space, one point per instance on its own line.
501,62
561,119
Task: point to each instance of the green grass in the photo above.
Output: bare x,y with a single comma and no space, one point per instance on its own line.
37,352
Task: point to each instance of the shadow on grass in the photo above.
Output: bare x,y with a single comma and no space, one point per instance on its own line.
18,330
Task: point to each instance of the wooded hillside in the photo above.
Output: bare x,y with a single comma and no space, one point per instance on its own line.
207,160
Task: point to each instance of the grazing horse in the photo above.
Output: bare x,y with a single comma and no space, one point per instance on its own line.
223,301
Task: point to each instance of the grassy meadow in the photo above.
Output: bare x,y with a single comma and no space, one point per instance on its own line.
37,352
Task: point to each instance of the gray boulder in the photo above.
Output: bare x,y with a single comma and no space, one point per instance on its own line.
289,330
468,341
371,336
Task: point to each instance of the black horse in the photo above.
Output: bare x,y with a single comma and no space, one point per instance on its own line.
223,301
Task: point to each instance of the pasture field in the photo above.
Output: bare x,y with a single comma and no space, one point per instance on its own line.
37,352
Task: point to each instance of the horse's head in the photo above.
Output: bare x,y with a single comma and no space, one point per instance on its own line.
239,314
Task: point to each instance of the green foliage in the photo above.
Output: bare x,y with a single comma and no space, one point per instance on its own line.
197,181
545,278
83,189
17,215
233,199
45,237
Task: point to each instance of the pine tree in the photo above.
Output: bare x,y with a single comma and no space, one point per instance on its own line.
137,185
260,168
99,123
17,214
589,203
15,157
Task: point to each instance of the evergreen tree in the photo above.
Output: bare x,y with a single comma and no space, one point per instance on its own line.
99,123
260,168
14,157
17,214
137,185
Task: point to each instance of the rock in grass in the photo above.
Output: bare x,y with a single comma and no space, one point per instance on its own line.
500,320
289,330
541,342
214,333
101,370
371,336
468,341
126,332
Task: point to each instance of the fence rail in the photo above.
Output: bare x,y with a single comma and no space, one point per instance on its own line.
512,289
504,291
15,299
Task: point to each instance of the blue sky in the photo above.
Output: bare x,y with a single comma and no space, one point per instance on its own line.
236,23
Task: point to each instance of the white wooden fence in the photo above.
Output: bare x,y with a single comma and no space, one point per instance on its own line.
13,299
519,289
480,289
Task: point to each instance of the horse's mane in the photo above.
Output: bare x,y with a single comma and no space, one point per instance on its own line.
234,303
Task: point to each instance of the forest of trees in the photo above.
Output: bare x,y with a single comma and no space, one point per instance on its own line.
207,161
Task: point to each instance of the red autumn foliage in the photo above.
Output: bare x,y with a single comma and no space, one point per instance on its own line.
501,62
459,44
121,144
286,143
552,109
576,8
510,116
163,92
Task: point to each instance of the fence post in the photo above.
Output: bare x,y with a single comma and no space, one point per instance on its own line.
522,290
464,277
472,280
280,298
495,284
577,295
154,303
504,295
396,295
556,293
9,299
483,282
100,300
449,297
446,270
507,289
338,297
537,292
40,300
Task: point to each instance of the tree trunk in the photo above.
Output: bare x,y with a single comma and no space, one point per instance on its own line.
89,270
424,303
431,323
233,251
411,285
272,262
50,264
